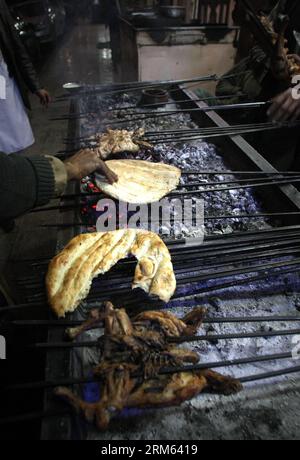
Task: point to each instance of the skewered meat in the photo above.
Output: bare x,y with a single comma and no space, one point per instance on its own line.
284,63
139,181
118,141
118,323
120,391
129,347
87,256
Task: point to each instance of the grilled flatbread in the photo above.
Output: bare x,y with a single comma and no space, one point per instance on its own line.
71,272
140,182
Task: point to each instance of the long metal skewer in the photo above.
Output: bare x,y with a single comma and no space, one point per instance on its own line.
162,114
174,102
168,134
138,86
222,320
200,338
136,108
49,414
269,183
198,367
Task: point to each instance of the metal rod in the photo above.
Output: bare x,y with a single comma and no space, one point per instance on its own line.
194,184
206,246
208,260
235,216
247,335
243,380
157,135
129,301
256,180
248,173
237,272
192,266
213,108
133,85
221,320
269,375
207,256
12,308
203,338
199,367
216,240
225,189
269,183
183,132
138,86
217,134
34,416
182,101
245,235
173,132
137,108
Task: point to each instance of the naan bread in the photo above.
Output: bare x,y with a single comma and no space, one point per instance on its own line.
140,182
71,272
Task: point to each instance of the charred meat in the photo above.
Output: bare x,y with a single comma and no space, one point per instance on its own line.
133,353
118,141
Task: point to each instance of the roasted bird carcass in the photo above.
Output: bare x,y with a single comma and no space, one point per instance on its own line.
139,182
70,273
129,350
118,141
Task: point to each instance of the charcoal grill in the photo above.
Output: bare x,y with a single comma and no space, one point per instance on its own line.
252,281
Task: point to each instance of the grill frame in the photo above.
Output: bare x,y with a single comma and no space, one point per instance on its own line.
239,154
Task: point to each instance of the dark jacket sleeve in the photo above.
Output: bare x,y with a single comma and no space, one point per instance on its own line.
24,184
25,65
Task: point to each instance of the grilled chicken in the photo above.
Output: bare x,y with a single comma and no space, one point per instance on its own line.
118,141
132,355
121,391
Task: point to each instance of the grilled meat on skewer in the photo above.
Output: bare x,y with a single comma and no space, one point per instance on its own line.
121,391
133,353
118,141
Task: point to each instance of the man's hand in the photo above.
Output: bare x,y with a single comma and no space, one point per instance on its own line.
44,97
284,107
85,163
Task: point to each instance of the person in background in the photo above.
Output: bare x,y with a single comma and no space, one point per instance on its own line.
28,182
254,81
17,77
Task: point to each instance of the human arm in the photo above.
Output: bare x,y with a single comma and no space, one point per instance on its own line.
29,182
